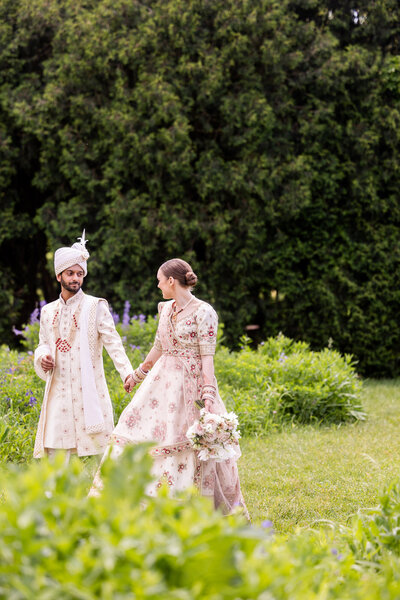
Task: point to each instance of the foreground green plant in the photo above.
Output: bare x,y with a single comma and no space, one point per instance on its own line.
377,529
56,543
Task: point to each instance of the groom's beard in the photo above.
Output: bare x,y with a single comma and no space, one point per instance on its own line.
69,287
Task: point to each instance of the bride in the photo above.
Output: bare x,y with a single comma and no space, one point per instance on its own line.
177,371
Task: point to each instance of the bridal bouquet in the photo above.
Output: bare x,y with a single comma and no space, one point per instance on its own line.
216,436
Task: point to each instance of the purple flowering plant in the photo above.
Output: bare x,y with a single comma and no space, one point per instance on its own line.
30,331
21,392
34,318
125,316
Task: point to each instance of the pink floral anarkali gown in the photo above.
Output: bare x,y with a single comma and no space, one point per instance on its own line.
164,408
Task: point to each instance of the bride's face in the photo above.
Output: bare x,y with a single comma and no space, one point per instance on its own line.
166,285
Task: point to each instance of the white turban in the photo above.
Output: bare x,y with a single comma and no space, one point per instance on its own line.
75,255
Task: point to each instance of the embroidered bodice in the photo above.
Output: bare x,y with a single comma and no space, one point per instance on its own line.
194,330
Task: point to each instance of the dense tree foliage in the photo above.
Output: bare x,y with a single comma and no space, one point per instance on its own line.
259,139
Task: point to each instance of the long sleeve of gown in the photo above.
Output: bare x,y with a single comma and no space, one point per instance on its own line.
112,341
42,350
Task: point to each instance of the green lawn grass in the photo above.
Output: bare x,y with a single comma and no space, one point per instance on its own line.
299,476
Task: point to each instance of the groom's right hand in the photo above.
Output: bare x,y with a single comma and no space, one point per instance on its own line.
47,363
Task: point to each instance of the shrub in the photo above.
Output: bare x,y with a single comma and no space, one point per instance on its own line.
56,543
285,381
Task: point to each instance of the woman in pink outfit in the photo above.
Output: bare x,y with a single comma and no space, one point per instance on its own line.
177,372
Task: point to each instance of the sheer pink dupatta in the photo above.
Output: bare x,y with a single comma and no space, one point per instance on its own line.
219,481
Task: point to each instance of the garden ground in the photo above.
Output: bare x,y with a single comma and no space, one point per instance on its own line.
299,476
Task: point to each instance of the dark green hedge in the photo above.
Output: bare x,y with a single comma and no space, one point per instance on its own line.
257,139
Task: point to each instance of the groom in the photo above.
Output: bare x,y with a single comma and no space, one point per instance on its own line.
76,413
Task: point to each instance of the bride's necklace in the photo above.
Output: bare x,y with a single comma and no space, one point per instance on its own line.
175,312
65,344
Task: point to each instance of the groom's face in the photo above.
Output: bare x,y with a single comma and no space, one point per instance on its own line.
71,279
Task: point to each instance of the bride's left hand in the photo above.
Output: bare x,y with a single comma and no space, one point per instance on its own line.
208,405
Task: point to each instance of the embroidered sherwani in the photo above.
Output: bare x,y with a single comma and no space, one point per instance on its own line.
164,408
63,423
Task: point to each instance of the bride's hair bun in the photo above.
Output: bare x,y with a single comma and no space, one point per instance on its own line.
179,270
191,278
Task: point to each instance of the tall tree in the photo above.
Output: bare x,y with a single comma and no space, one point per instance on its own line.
256,138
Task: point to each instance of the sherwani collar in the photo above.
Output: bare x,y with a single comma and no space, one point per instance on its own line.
74,300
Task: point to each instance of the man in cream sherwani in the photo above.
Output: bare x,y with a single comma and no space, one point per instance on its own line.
76,414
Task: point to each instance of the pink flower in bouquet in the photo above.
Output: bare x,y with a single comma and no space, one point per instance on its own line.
215,436
212,437
199,429
224,436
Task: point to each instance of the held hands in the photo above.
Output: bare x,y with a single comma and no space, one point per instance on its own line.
136,377
47,363
129,384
